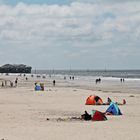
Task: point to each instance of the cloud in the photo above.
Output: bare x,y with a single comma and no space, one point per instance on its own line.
49,2
70,27
25,22
106,1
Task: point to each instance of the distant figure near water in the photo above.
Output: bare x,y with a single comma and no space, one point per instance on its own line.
53,82
122,80
2,84
98,80
16,81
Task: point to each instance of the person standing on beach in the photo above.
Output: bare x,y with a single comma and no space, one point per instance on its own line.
16,82
53,82
2,84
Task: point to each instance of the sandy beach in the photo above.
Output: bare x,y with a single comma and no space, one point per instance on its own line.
24,112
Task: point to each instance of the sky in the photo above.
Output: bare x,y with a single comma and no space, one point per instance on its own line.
76,34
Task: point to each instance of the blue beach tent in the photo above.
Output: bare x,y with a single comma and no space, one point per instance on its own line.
37,88
113,109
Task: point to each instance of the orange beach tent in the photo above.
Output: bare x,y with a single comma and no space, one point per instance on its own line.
94,100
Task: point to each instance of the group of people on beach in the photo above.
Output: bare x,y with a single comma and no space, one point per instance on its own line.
86,116
40,86
100,116
11,84
98,80
122,80
71,78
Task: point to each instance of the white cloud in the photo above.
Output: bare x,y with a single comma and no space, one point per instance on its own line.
40,21
106,1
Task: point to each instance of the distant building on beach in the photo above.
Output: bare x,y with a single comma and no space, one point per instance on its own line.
9,68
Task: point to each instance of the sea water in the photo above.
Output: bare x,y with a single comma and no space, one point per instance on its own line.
110,79
89,74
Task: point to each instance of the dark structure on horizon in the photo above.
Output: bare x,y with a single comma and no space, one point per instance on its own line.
21,68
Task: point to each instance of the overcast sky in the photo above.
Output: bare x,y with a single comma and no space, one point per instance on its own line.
76,34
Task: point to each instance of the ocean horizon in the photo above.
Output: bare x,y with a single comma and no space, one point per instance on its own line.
95,73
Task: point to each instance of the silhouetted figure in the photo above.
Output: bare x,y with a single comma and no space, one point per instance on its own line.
2,84
38,76
70,77
98,80
35,83
43,77
73,78
109,100
16,81
53,82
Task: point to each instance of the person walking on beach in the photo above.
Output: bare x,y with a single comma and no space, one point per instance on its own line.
98,80
16,82
2,84
53,82
122,80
